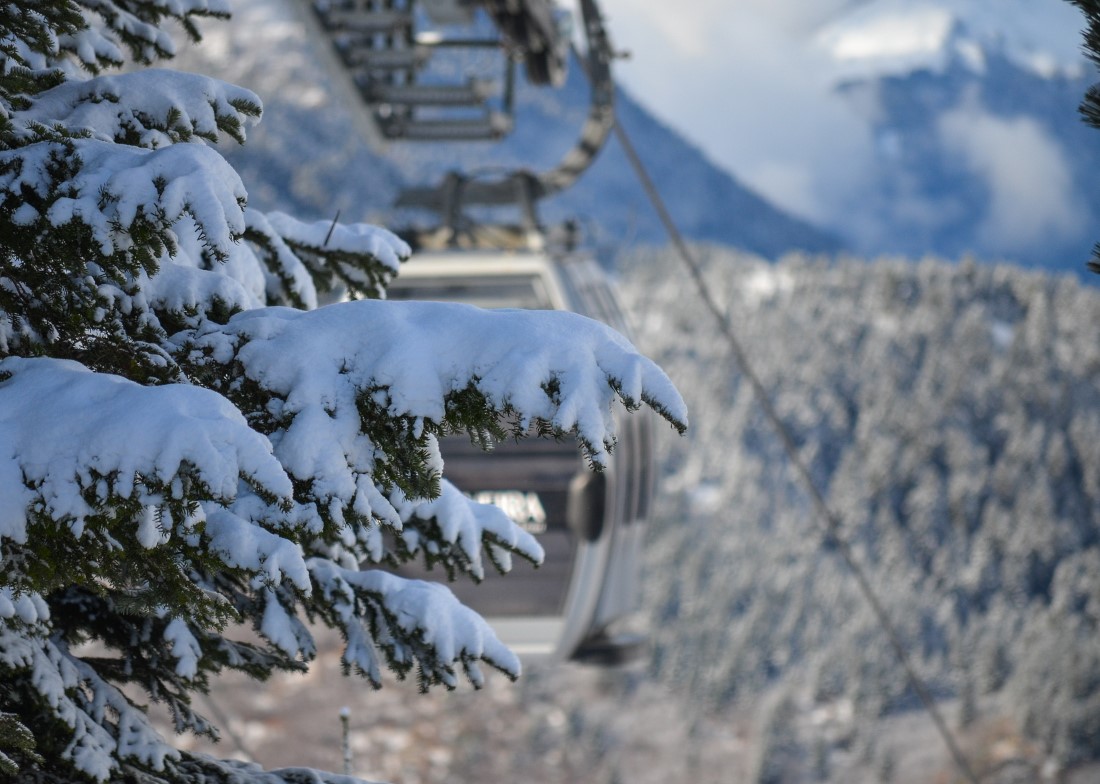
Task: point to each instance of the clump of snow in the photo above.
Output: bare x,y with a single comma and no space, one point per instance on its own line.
280,627
185,648
118,185
425,612
64,427
896,37
350,238
188,282
154,108
183,288
420,352
242,544
467,523
30,608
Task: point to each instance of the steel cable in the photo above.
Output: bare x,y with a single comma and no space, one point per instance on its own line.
827,518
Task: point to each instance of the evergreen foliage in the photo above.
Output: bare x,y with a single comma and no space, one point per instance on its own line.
186,450
1090,105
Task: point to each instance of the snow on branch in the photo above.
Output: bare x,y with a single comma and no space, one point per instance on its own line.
27,607
414,359
105,728
30,39
94,45
151,108
136,25
288,280
384,245
71,438
462,527
353,395
114,189
358,258
189,285
181,288
242,544
414,623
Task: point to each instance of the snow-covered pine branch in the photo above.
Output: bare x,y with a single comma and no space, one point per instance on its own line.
353,397
28,47
288,281
415,624
452,530
86,219
113,191
180,449
383,378
153,108
102,469
136,26
334,255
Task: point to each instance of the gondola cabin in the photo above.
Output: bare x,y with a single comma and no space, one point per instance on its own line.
573,606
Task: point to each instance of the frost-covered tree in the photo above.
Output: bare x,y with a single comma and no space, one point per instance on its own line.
965,479
189,446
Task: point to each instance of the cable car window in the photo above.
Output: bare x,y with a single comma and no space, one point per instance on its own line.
529,480
484,291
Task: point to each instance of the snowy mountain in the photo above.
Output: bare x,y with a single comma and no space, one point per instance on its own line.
897,37
310,154
976,144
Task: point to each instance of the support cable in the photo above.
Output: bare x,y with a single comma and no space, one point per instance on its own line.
826,517
224,721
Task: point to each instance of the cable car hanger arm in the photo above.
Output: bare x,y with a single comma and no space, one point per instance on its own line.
524,187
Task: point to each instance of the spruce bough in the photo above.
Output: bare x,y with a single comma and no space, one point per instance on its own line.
190,446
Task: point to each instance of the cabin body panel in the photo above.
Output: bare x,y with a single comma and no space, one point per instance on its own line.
589,524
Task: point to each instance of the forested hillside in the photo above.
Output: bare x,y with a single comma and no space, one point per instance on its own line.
953,415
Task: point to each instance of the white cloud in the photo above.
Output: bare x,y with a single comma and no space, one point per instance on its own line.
739,81
1032,192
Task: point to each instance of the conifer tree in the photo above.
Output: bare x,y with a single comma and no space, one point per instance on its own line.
1090,106
187,442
